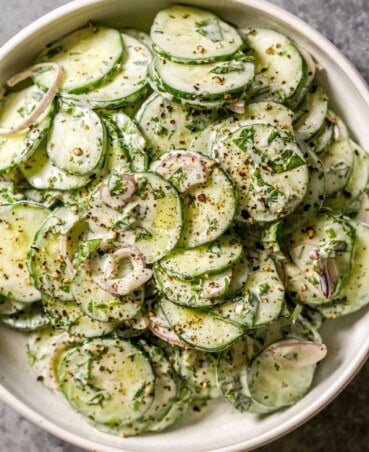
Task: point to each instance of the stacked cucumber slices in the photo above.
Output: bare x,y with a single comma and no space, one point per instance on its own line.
179,213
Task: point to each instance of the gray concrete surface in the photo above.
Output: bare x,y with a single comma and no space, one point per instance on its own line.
344,424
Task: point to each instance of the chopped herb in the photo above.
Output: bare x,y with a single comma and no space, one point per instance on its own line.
177,178
140,236
214,248
210,29
160,130
264,288
98,398
290,161
213,223
158,193
246,137
330,233
21,111
116,185
273,135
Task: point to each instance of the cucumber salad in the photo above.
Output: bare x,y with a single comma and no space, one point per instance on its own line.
179,214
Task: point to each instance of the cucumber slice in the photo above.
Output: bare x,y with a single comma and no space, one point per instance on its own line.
166,389
213,258
280,69
86,327
356,184
268,170
18,226
68,316
62,313
96,302
117,158
76,142
322,139
161,329
337,160
314,114
48,198
44,350
265,286
140,35
31,318
108,380
232,375
177,411
201,330
359,178
198,370
315,194
240,311
18,105
287,328
208,208
196,104
42,174
88,56
201,82
240,273
262,297
135,327
152,219
338,157
191,35
14,107
191,293
128,85
167,124
321,251
271,113
9,306
49,269
355,294
275,382
131,140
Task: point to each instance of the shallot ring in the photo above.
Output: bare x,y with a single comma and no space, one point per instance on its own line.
121,200
45,102
135,279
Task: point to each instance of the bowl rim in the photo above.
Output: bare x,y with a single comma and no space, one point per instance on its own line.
356,363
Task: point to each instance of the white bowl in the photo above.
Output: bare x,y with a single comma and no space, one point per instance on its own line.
220,427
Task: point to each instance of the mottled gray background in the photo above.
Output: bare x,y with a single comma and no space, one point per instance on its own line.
344,425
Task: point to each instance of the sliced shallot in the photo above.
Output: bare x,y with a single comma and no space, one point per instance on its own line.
328,274
237,107
135,279
45,102
297,353
120,200
327,269
193,167
328,277
159,327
